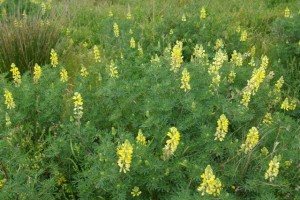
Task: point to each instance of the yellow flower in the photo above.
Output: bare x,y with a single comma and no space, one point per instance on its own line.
136,191
85,44
140,139
257,78
132,43
222,128
273,169
244,36
202,13
9,100
110,13
287,12
246,99
251,140
183,18
185,79
171,33
264,61
278,85
236,59
37,72
210,185
176,57
268,119
97,54
53,58
172,143
252,62
16,75
64,75
264,151
285,104
231,77
287,163
83,71
288,104
78,106
199,52
219,44
116,30
124,153
113,70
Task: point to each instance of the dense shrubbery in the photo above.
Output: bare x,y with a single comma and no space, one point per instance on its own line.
132,109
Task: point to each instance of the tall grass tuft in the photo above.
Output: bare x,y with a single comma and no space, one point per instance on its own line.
26,41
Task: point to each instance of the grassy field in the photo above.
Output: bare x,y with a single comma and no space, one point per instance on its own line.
150,99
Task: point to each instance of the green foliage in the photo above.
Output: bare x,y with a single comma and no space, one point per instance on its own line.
48,151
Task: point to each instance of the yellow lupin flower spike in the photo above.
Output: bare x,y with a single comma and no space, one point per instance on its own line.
83,71
288,104
172,143
222,128
176,57
244,36
273,169
37,73
185,80
78,106
64,75
287,13
9,100
53,58
124,153
16,75
96,54
136,191
132,43
210,185
113,70
116,30
268,119
140,138
251,140
202,13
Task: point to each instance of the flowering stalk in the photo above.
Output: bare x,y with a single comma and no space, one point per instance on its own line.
171,144
176,57
96,54
124,153
53,58
251,140
273,169
78,108
16,75
64,75
37,72
222,128
9,100
185,80
210,185
140,139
